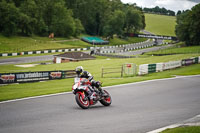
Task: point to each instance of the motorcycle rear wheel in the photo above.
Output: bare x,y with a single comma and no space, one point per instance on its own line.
107,100
84,104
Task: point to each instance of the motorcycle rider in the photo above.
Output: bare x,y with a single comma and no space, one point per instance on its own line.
85,74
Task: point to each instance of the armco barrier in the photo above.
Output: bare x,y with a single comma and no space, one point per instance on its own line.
22,77
171,65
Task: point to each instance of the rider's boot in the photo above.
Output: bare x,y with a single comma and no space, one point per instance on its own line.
102,92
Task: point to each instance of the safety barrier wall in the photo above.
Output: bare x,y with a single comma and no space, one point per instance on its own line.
150,68
159,67
199,59
143,69
124,48
43,51
194,60
171,65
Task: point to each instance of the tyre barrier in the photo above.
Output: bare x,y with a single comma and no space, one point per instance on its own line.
171,65
44,51
124,48
158,67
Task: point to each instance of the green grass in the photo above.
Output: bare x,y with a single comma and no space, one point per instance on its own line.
160,24
20,44
94,66
117,41
186,129
177,50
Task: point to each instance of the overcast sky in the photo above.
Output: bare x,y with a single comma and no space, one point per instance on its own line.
174,5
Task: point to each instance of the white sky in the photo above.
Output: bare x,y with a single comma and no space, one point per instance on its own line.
174,5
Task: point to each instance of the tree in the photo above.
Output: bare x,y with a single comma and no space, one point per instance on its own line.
188,26
115,24
28,11
9,18
62,23
58,18
134,21
79,27
170,13
159,10
69,17
179,12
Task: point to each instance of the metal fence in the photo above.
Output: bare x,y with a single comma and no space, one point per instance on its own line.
114,70
128,69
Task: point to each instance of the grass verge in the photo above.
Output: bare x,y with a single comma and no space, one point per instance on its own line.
34,43
172,50
185,129
160,24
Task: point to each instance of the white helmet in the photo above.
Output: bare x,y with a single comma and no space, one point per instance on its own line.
79,69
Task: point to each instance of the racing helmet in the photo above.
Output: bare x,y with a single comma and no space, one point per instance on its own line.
79,69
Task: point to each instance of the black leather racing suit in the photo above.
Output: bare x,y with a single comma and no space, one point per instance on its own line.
87,75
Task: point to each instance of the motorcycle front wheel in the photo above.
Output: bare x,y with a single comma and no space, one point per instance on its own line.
84,104
106,101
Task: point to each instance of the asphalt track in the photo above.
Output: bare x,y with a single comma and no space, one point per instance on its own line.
31,59
136,108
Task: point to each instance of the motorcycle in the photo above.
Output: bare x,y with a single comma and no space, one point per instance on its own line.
81,88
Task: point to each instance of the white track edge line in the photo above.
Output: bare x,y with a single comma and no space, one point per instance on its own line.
146,81
164,128
34,97
176,125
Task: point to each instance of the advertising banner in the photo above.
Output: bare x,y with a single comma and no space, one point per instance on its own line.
130,69
7,78
55,75
31,76
23,77
186,62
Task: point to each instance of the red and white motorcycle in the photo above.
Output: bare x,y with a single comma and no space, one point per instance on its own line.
83,99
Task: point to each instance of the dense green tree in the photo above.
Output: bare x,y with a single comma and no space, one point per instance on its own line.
41,28
9,18
188,26
79,27
115,24
134,21
159,10
69,17
27,17
170,13
62,22
179,12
